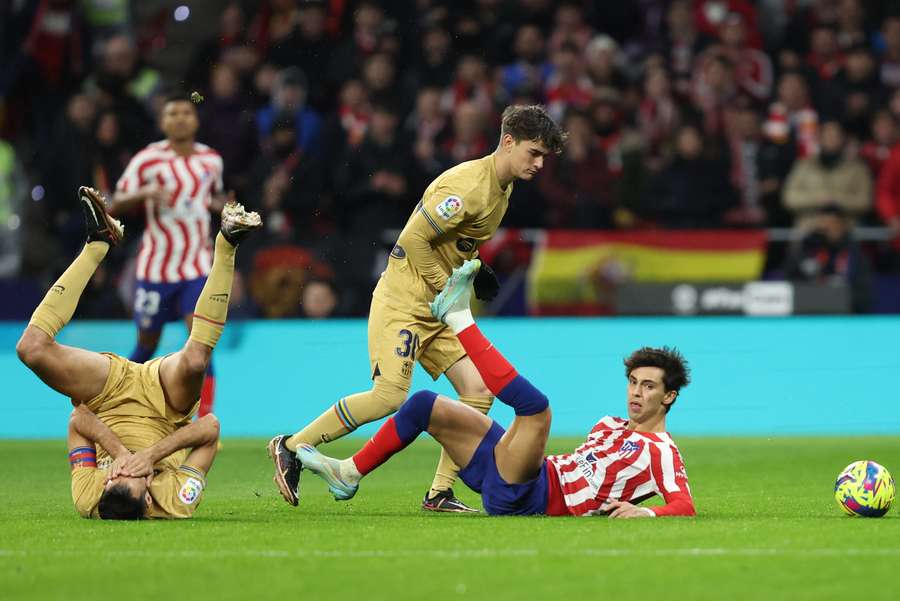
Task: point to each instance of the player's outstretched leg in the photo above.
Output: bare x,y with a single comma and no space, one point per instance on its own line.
459,428
520,453
182,373
74,372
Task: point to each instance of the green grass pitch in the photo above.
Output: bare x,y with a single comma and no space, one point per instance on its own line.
768,528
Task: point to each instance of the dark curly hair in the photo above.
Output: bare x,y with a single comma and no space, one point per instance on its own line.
117,503
676,373
532,123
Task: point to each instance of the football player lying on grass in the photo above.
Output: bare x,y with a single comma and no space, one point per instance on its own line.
133,449
622,462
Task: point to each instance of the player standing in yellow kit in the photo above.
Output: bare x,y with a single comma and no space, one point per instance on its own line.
459,211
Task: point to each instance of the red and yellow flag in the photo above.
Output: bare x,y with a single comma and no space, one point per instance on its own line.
575,272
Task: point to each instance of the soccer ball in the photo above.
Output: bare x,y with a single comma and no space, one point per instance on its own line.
864,488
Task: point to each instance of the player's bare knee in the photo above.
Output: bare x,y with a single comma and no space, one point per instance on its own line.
32,346
195,360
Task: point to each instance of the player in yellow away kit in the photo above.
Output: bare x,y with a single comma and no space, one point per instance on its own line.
133,450
459,211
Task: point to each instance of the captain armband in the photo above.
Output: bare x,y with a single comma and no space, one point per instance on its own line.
83,457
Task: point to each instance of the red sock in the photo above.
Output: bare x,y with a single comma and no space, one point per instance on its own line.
207,395
379,448
495,370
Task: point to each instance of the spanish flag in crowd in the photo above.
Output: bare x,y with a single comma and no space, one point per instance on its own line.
576,272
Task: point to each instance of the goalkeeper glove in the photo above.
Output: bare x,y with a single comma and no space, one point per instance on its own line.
486,284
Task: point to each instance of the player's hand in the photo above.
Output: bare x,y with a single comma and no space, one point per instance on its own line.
115,470
624,509
486,284
138,465
155,194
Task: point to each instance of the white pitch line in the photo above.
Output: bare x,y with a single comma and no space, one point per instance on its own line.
460,553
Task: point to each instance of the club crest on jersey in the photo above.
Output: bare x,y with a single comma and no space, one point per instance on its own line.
190,491
449,207
629,447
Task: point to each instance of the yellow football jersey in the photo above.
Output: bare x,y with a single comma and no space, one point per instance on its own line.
460,210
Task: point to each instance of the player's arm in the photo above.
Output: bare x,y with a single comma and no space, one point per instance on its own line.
126,202
86,431
669,474
201,436
438,216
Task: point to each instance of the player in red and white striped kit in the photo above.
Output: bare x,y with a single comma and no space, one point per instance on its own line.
621,464
174,182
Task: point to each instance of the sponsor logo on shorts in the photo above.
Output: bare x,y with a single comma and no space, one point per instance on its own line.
449,207
190,491
219,298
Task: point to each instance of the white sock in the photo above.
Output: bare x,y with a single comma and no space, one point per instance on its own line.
348,471
459,319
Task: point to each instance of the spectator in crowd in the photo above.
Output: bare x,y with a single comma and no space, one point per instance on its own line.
471,82
228,125
568,86
658,113
876,148
852,94
428,127
289,96
792,118
531,68
829,178
851,24
469,137
279,276
753,69
691,191
711,15
827,254
287,183
362,41
825,57
319,299
745,141
231,44
888,195
889,71
714,90
308,47
434,64
682,45
578,185
570,27
603,59
372,179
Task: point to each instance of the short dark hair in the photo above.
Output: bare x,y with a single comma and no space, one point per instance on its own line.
178,96
532,123
676,373
117,503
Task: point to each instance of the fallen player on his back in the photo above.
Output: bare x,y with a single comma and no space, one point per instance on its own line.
621,464
133,450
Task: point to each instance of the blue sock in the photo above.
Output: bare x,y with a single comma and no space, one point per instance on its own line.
413,416
141,354
524,398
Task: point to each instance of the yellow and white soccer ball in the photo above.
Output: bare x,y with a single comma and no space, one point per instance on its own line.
865,489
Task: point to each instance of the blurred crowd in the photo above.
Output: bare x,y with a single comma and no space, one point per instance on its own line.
332,116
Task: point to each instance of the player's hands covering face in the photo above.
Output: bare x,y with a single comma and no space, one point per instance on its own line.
138,465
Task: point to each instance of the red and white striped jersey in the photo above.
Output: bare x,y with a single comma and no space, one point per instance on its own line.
176,245
617,464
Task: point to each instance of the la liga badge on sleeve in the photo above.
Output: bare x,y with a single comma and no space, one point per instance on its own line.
449,207
190,491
